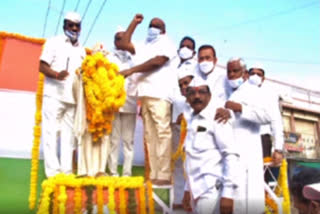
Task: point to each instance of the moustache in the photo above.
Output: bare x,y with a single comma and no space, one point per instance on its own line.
196,101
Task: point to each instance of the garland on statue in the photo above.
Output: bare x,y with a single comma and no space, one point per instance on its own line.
104,91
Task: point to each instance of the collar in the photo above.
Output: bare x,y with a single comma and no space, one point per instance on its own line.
67,39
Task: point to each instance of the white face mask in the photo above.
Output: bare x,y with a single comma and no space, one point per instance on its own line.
235,83
185,53
255,80
73,36
153,33
206,66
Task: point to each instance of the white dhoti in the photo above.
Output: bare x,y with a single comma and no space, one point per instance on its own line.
123,128
57,115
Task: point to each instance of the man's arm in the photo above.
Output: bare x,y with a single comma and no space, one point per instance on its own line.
125,43
226,143
148,66
48,72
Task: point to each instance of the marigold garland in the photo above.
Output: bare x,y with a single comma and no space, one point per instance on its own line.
62,198
36,144
180,152
104,91
150,197
77,199
123,201
100,198
282,189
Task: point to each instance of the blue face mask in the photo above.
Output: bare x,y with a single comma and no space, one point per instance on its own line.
153,33
73,36
235,83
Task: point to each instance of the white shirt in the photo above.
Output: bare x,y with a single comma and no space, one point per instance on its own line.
60,54
158,83
217,81
177,99
124,60
275,128
211,156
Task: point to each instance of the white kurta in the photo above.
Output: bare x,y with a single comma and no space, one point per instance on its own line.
250,195
211,159
58,103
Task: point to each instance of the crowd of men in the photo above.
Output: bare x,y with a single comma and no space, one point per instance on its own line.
223,109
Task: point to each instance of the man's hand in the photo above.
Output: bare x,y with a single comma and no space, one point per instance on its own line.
62,75
186,201
179,119
138,18
235,107
277,158
226,205
222,115
126,72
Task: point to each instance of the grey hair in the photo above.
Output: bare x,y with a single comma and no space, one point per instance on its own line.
241,61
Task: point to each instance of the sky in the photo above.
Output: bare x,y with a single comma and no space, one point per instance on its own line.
283,35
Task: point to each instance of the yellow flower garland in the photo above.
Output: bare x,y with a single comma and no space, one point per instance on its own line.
281,189
150,197
36,144
62,181
104,91
180,153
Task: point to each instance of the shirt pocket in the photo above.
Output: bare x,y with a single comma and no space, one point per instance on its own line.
203,141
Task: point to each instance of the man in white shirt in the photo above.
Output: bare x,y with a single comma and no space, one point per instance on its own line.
124,122
185,73
275,128
208,70
248,107
154,88
211,155
60,57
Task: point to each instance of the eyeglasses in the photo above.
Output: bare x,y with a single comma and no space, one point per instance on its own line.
193,91
71,25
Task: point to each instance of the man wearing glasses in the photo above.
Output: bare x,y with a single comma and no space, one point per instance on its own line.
60,57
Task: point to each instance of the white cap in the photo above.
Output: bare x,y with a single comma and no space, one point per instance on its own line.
198,81
185,73
73,16
312,191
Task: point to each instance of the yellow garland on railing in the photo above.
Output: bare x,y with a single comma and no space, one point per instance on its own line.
122,203
77,199
100,198
281,189
180,153
62,198
36,144
55,200
150,197
104,91
48,188
142,200
111,202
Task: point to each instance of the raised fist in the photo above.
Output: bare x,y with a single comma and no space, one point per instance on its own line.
138,18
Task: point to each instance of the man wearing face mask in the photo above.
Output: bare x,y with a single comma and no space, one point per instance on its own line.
124,122
247,107
214,75
154,62
275,128
60,57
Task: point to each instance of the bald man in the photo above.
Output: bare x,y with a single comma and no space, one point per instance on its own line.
155,61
